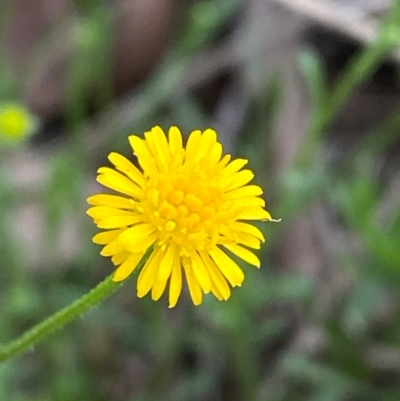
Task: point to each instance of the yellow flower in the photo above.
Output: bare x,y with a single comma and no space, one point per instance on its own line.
16,123
187,206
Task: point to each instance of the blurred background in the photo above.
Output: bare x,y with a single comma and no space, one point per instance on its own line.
309,92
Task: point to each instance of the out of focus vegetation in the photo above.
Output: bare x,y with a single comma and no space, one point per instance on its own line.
319,321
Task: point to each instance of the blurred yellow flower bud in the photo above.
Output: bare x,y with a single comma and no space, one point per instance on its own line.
16,123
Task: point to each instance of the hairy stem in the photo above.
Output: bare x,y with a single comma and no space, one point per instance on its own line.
58,320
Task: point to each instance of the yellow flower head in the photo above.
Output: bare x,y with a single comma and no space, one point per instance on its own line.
187,206
16,123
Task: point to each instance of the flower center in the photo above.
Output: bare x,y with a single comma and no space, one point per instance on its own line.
185,208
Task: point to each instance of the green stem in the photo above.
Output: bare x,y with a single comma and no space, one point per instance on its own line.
58,320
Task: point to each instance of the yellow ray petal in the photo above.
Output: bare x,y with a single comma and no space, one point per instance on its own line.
118,221
128,266
228,267
175,286
194,287
249,241
255,213
233,167
138,238
217,170
236,180
106,237
114,201
143,154
116,181
192,147
175,140
244,192
218,280
120,257
214,157
101,212
206,143
111,249
148,275
253,201
246,228
167,263
244,254
142,244
158,144
215,291
127,167
200,272
158,289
